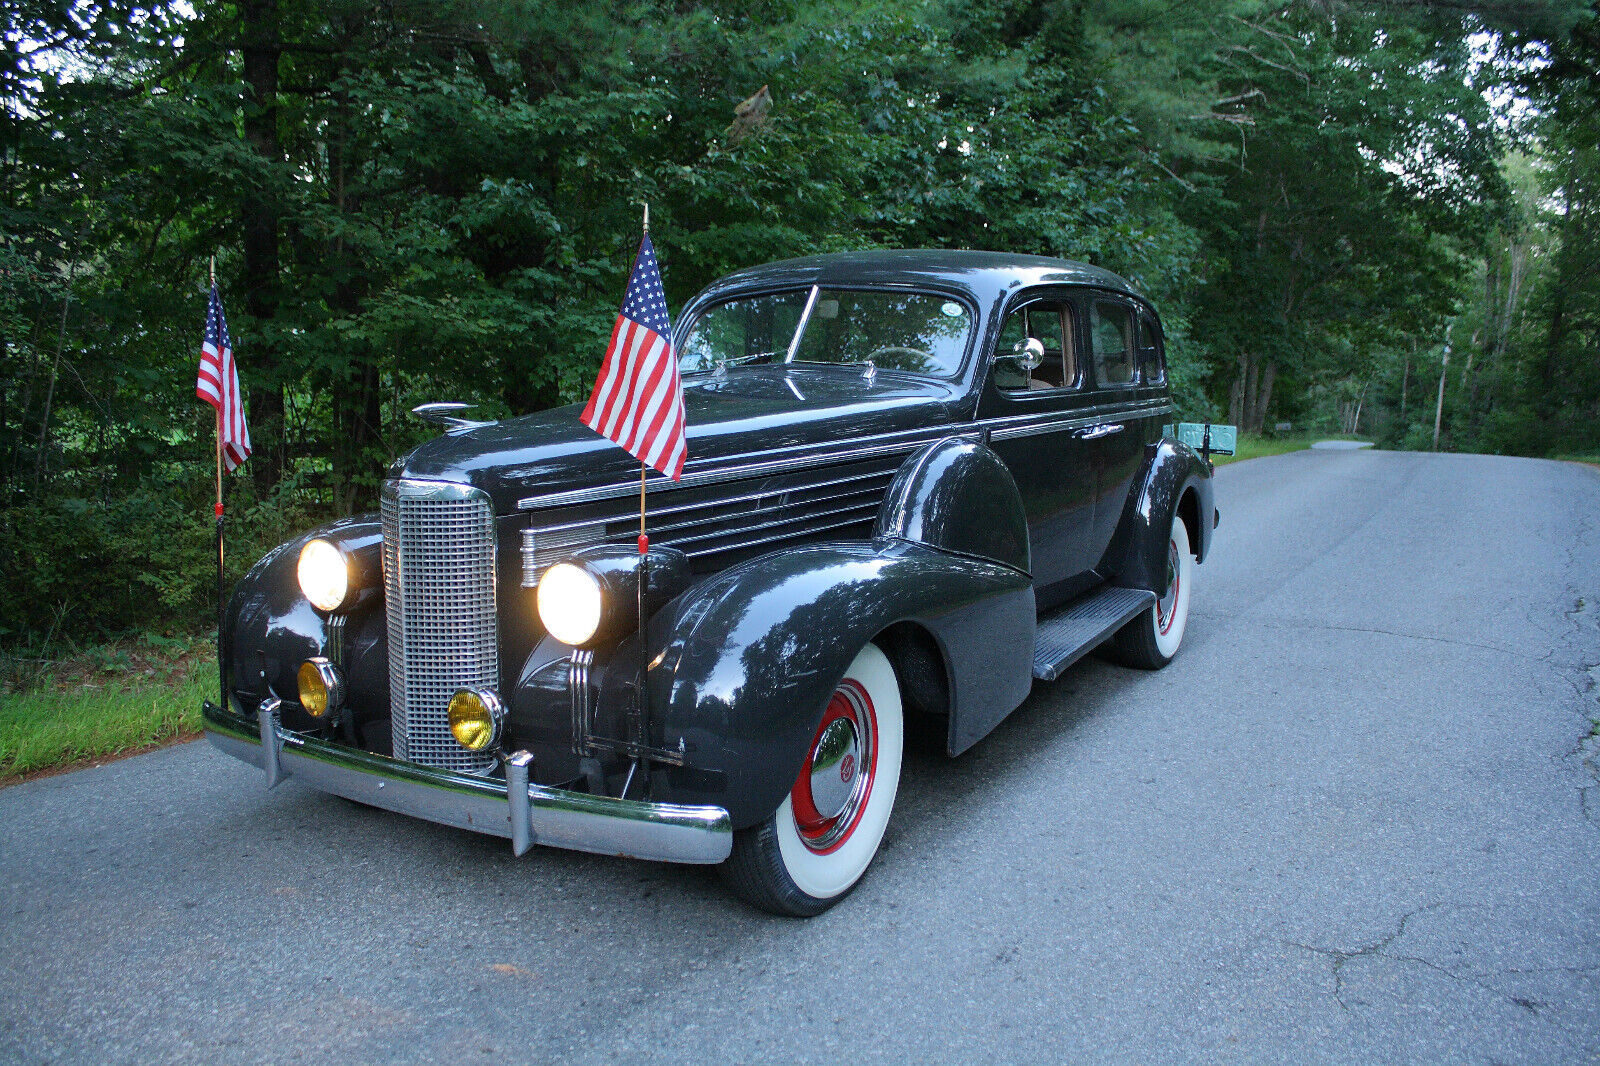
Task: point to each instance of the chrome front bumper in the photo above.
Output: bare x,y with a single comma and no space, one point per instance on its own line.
554,817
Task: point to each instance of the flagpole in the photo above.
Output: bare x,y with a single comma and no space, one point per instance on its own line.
641,579
222,681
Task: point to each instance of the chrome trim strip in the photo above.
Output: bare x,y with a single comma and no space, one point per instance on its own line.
721,501
758,541
899,442
870,507
530,558
335,647
756,469
800,502
664,832
578,689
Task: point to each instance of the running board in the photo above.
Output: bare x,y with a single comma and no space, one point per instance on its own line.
1064,637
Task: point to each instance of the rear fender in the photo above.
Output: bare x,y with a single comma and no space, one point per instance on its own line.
743,665
1174,476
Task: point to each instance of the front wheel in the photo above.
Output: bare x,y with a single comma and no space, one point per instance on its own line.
810,852
1151,640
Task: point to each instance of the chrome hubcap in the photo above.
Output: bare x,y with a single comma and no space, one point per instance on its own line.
835,764
1169,599
831,792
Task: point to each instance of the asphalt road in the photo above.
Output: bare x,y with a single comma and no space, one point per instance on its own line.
1358,819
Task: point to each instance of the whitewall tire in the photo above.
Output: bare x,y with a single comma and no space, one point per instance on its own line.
811,851
1150,641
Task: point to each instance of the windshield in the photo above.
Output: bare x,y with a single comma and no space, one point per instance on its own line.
891,330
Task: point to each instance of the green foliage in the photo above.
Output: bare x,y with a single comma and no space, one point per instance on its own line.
425,201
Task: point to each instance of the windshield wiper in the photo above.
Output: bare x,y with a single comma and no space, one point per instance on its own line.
720,370
741,360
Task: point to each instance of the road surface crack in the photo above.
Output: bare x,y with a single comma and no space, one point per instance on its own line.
1341,956
1376,950
1302,623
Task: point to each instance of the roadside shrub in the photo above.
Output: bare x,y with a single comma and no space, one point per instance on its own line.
84,569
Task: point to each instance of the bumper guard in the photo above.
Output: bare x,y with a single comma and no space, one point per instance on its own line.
555,817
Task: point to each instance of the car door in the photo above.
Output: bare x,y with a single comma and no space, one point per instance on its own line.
1033,419
1126,406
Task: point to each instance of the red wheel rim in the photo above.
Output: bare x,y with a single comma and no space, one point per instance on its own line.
819,833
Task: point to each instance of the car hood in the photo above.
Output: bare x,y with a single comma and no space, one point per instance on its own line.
753,411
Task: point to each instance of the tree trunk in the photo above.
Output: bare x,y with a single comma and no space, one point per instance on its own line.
261,50
1236,396
1252,383
1405,381
1438,410
1263,397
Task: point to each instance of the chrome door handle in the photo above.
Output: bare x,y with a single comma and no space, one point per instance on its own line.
1103,430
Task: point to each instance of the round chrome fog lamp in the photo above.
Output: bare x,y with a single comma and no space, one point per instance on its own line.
476,715
324,575
570,603
321,687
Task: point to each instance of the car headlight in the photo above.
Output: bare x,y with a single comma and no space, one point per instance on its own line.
324,575
321,687
475,718
570,603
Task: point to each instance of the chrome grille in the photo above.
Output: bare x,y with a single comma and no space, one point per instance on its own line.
438,572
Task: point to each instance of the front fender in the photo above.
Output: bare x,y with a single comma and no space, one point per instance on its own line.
272,629
743,665
1174,475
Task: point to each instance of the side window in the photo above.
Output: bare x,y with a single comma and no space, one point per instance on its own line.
1152,367
1050,323
1113,343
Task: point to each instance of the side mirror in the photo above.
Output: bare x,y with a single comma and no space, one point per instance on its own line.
1027,354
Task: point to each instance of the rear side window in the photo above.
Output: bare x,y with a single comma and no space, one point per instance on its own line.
1152,366
1113,334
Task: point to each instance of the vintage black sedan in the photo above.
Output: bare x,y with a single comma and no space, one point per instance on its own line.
918,482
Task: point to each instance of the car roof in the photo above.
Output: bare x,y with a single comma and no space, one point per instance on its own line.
984,274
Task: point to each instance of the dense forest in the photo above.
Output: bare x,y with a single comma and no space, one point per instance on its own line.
1354,217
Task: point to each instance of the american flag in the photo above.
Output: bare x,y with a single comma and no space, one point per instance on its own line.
219,385
638,398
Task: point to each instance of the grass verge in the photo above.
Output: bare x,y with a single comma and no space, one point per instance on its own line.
103,704
1586,458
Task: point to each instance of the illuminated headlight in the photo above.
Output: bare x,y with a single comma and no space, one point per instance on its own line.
321,687
324,575
570,603
475,718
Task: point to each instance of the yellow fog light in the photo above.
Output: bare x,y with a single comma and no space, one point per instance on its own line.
321,687
475,717
324,575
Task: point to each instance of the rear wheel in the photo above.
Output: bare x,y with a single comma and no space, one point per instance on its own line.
1151,640
810,852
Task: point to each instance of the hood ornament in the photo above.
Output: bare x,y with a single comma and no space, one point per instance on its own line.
445,414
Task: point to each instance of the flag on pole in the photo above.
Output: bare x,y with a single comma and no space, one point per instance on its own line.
638,398
219,385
